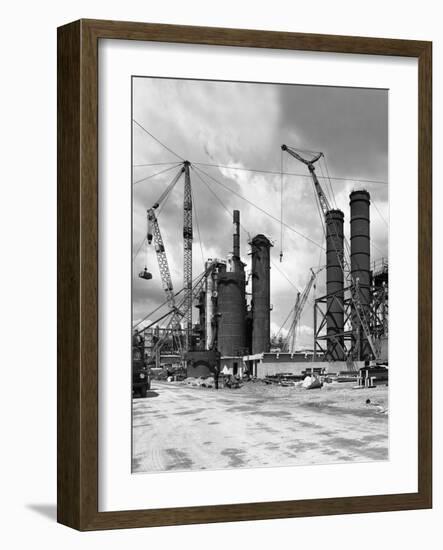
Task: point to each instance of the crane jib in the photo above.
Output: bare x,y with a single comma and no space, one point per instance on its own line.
344,263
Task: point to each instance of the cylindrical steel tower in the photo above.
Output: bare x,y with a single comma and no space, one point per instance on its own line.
201,306
360,267
209,308
236,235
334,286
231,302
261,294
231,307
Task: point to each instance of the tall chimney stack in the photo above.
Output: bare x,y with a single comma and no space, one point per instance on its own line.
261,294
236,236
334,285
360,266
231,301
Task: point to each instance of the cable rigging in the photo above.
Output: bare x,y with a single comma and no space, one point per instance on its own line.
343,256
198,227
157,140
281,206
277,173
243,227
157,173
217,198
379,213
259,208
153,164
184,308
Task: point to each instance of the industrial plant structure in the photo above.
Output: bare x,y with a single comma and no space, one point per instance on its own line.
344,309
228,325
233,331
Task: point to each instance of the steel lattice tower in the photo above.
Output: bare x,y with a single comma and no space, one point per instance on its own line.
187,256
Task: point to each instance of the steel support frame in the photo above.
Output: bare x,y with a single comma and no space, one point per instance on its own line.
378,318
322,308
380,311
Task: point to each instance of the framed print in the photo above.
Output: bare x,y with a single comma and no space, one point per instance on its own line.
244,275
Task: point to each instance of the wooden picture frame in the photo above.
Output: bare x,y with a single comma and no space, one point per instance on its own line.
78,274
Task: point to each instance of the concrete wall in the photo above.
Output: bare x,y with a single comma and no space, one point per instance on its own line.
285,358
265,369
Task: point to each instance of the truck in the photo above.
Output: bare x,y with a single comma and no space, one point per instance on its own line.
141,378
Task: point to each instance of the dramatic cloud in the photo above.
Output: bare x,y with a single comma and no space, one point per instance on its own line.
243,125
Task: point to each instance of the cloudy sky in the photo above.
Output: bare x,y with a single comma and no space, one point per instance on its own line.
243,125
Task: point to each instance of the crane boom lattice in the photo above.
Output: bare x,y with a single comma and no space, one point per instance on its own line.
290,342
187,255
342,257
154,234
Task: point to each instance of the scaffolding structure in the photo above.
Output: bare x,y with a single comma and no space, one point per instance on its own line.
348,342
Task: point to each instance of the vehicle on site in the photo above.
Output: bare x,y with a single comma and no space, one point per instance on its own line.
141,378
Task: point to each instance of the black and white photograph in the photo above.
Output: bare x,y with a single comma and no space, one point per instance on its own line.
260,275
226,236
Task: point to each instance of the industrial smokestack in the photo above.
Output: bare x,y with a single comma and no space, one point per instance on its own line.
360,266
236,236
209,306
231,301
334,285
231,309
201,306
261,294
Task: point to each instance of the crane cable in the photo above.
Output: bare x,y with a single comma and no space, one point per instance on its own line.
164,199
277,173
195,282
139,248
153,164
329,179
379,213
251,169
157,173
177,337
284,322
198,228
259,208
281,205
157,140
218,199
243,227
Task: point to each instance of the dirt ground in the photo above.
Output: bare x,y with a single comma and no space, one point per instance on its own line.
179,427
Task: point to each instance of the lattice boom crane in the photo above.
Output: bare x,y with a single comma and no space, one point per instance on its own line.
302,298
343,259
187,255
154,234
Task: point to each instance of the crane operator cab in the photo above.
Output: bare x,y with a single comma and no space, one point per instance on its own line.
145,274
